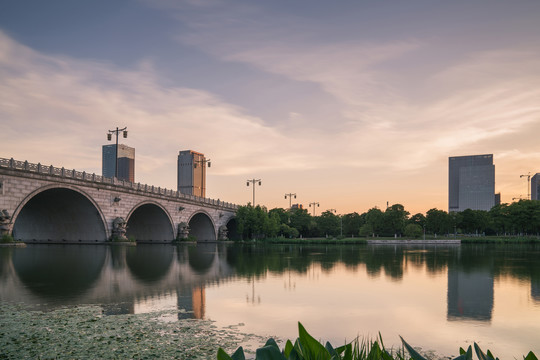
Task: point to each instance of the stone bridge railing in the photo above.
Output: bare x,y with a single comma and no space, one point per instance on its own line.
84,176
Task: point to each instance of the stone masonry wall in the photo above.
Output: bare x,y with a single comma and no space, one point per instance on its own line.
18,187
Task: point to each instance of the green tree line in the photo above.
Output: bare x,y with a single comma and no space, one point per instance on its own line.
518,218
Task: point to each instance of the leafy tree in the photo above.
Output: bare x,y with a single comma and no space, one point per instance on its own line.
328,224
375,218
352,223
437,221
287,231
366,230
413,231
301,220
500,218
418,219
395,218
283,215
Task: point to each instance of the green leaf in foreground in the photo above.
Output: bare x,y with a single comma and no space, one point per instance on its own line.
311,348
414,354
465,355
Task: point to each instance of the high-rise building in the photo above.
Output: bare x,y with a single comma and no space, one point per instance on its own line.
192,173
126,162
471,182
535,187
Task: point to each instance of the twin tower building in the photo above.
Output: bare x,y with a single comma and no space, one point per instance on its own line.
191,168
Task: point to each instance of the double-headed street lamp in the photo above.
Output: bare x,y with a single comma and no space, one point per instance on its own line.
109,136
254,181
203,163
314,203
290,195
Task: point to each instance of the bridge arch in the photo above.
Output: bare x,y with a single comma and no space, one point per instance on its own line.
59,213
149,221
232,229
202,227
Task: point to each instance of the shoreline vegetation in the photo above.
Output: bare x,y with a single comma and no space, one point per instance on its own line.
400,240
519,221
306,347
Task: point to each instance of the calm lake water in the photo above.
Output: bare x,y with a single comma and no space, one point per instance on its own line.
436,297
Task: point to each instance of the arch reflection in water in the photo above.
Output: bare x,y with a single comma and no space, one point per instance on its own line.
149,263
201,256
60,273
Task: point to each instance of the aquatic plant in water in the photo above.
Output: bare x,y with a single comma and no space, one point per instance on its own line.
85,333
307,348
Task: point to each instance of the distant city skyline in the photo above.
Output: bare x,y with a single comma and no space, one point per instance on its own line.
350,105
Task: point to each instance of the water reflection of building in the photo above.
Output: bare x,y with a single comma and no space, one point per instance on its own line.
470,294
193,301
535,289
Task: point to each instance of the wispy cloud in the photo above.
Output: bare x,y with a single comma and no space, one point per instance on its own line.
67,105
477,97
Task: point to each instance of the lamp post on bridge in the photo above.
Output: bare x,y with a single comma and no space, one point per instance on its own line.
290,195
109,136
202,162
253,181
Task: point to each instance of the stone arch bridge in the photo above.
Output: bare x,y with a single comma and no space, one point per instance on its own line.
47,204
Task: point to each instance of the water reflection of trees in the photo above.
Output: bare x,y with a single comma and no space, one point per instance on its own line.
518,261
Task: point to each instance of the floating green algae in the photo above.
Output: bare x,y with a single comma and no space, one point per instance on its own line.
85,333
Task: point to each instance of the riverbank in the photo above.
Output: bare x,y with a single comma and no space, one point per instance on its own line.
404,241
13,244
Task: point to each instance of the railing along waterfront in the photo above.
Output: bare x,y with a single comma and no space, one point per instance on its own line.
74,174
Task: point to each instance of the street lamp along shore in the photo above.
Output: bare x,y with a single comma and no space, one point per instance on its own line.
290,195
254,181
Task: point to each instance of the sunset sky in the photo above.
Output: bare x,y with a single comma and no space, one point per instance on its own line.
346,103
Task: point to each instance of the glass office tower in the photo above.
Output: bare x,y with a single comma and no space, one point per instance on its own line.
192,173
471,182
126,162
